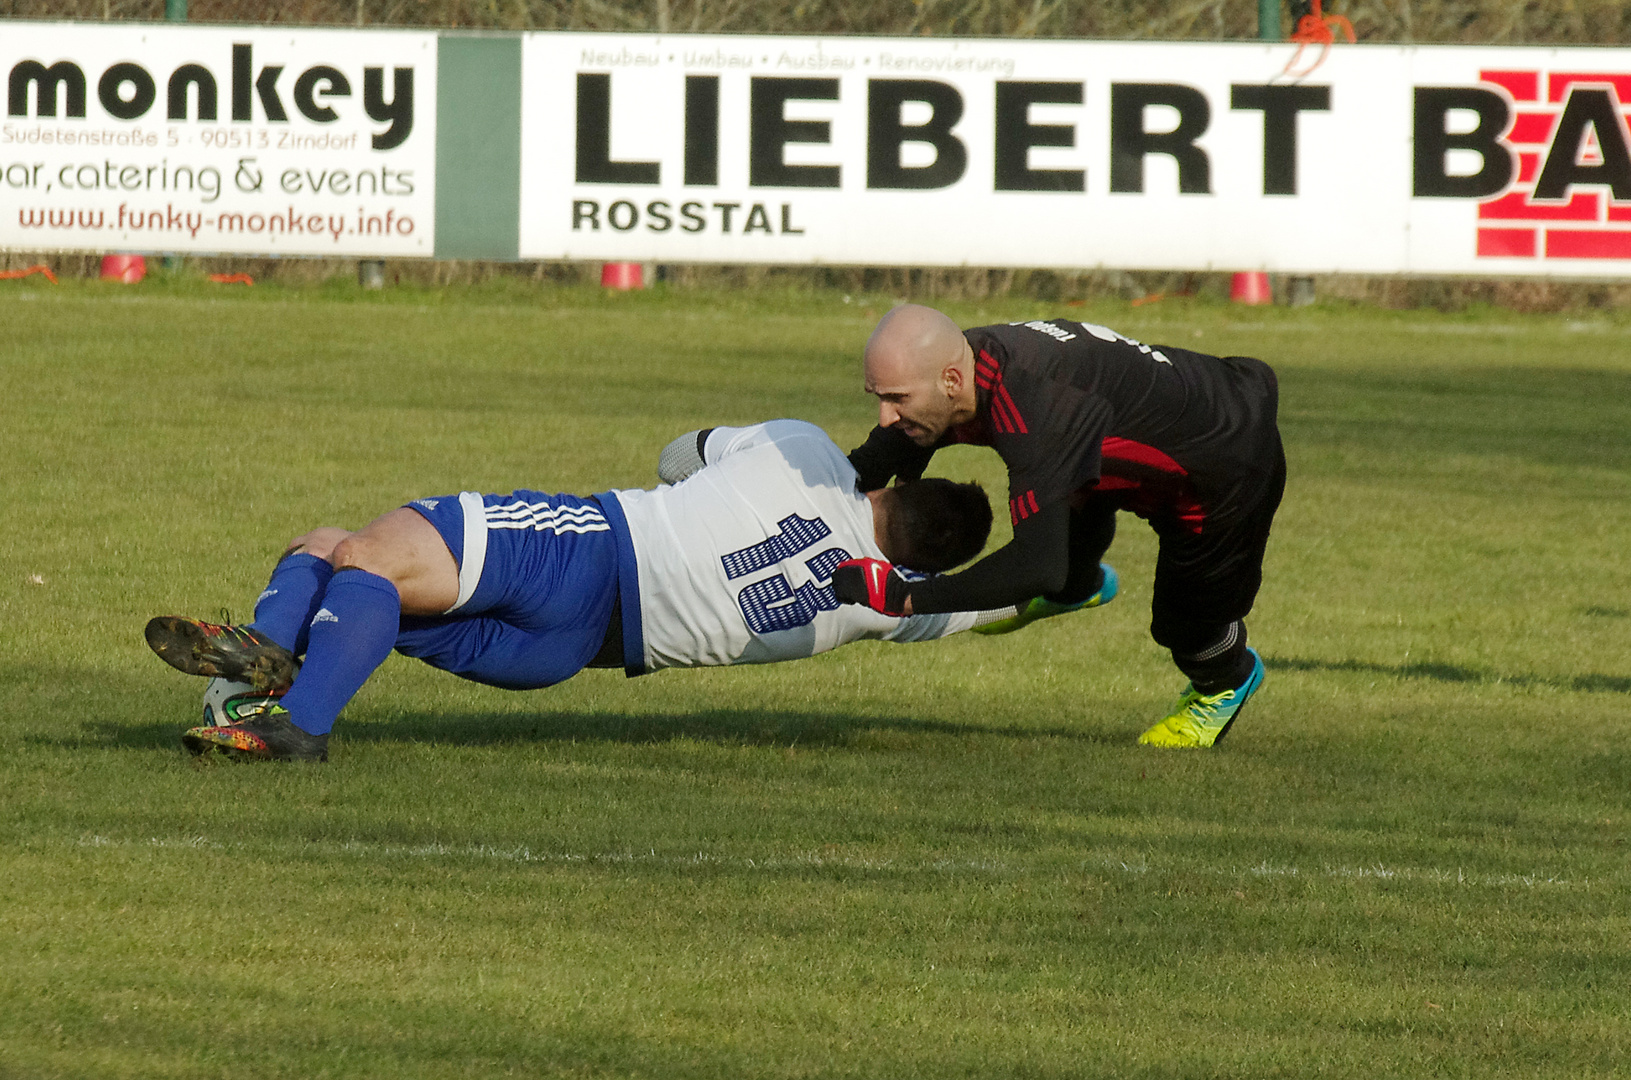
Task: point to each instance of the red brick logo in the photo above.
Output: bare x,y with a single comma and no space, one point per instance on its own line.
1572,196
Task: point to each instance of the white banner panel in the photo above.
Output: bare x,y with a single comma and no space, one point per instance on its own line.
217,139
1193,156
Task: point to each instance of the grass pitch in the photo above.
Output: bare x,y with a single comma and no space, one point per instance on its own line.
939,860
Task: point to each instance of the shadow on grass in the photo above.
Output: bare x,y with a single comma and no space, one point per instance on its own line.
735,727
1452,673
748,727
121,712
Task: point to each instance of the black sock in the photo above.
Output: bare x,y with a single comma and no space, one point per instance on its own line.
1222,665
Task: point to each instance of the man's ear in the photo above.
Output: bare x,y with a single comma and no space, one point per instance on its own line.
951,379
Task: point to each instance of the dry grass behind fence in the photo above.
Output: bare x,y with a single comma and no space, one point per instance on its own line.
1058,287
1558,22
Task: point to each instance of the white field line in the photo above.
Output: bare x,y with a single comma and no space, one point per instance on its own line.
526,855
1402,326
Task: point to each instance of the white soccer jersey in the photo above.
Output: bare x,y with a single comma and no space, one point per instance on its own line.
735,562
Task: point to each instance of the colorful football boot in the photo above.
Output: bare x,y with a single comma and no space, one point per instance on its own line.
1043,608
227,652
1201,720
267,734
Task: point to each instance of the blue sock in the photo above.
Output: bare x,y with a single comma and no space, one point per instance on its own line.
351,635
292,597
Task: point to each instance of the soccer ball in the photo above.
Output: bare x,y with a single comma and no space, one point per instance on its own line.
226,702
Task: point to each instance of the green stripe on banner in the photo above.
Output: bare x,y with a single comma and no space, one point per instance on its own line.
478,146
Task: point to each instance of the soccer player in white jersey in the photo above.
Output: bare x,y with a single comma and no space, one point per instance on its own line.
730,562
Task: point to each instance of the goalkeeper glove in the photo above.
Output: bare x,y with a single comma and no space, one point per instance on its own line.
872,582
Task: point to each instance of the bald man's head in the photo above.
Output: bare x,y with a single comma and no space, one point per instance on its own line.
921,369
913,341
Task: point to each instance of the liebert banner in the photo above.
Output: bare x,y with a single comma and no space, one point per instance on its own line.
236,139
1443,160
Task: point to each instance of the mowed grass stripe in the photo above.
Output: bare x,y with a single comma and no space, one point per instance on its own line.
815,863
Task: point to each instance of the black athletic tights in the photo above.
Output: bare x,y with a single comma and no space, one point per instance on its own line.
1213,655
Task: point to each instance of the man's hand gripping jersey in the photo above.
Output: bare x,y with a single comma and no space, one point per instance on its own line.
872,582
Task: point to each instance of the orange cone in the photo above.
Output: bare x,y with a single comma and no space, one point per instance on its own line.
126,268
621,276
1251,288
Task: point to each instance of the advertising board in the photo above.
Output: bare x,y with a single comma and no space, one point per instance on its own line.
858,151
218,139
1185,156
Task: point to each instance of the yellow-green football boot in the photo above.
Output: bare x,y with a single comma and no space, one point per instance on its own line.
1201,720
1041,608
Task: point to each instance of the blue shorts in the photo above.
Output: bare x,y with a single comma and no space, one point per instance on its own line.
537,584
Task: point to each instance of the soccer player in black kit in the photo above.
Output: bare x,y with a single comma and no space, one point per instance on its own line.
1089,423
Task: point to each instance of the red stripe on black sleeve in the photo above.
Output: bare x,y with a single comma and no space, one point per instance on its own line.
1001,392
1001,419
1022,507
986,371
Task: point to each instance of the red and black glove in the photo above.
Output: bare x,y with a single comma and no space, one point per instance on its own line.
872,582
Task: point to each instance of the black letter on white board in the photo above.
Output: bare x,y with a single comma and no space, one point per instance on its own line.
771,131
1597,109
595,164
1130,143
885,134
1434,142
1016,135
1280,105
